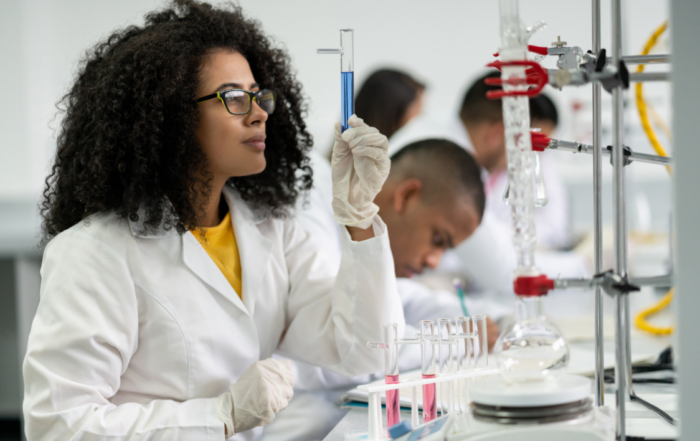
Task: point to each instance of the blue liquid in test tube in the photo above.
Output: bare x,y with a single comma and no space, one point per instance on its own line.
347,99
347,74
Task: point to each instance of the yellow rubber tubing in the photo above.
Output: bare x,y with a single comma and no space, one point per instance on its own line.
641,319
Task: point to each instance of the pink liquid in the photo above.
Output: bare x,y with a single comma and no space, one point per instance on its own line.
429,402
392,402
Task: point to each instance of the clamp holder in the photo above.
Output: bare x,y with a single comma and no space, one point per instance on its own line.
540,141
533,285
536,76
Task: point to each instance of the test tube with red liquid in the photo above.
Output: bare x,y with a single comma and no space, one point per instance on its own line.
391,373
427,337
391,370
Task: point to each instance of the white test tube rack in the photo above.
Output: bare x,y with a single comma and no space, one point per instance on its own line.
377,432
475,369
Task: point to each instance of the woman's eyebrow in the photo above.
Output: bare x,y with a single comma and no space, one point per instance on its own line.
236,86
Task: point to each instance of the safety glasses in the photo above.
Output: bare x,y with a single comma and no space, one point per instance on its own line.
239,102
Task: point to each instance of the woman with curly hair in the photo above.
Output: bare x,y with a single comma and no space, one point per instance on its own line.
173,269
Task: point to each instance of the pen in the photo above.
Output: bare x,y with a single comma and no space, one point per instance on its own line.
460,293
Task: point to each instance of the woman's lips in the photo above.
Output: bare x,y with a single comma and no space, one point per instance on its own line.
257,142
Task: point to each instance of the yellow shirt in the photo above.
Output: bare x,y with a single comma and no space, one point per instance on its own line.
221,246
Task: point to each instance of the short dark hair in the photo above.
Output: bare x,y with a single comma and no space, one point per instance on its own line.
439,162
476,108
542,108
384,99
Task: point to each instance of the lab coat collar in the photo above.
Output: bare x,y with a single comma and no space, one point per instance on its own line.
254,250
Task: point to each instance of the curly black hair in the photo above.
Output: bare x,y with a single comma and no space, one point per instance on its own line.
127,137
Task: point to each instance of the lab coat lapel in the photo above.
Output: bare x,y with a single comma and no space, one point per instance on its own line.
254,248
197,259
194,256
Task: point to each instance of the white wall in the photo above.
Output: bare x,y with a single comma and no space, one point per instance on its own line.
443,43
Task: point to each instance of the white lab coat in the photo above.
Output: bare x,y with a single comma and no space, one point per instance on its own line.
136,333
487,257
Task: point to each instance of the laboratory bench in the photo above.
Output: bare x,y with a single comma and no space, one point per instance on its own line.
640,422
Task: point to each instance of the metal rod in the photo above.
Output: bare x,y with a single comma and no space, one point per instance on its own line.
641,59
640,77
619,224
576,147
598,217
655,281
588,283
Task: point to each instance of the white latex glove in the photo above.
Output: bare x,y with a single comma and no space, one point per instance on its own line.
264,389
360,164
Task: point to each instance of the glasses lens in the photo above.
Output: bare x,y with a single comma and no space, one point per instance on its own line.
237,101
266,100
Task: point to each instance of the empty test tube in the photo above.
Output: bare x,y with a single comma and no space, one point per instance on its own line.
483,352
446,363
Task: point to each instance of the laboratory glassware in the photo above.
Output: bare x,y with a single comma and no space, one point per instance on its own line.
347,75
482,354
532,348
516,120
464,349
391,373
391,370
427,338
446,362
540,190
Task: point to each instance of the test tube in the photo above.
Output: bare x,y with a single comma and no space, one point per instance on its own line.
391,373
427,337
464,347
445,354
347,74
464,356
483,353
347,77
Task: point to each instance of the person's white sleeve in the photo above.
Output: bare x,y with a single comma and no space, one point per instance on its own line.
423,303
330,319
487,256
82,338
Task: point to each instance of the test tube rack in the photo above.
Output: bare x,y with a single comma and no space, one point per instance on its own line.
457,366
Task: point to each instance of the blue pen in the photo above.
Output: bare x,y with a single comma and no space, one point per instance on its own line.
347,75
460,293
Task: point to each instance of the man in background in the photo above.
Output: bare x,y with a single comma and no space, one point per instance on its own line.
487,258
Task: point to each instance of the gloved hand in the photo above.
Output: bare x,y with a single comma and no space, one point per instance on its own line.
264,389
360,164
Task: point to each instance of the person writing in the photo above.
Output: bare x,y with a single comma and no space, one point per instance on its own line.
173,269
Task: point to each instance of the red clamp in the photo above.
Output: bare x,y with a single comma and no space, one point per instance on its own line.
540,141
533,285
540,50
536,76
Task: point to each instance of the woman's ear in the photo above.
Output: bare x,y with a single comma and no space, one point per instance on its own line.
407,194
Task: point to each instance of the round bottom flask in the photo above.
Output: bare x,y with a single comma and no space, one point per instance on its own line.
532,349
